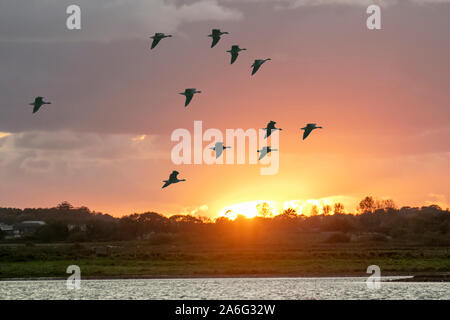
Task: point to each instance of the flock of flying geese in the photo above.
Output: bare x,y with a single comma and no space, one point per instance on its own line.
190,92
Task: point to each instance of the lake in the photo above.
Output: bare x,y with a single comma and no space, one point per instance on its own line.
224,288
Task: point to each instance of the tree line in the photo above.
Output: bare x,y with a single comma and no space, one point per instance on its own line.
379,220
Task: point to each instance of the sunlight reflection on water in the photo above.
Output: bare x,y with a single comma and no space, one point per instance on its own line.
224,288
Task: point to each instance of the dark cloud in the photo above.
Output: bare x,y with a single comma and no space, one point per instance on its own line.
380,95
103,20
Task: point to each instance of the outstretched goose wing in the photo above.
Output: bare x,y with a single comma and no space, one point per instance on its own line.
262,153
307,132
189,96
216,39
37,106
234,56
255,68
219,152
155,42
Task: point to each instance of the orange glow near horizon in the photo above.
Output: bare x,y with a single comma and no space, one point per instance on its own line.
248,209
266,208
110,149
4,134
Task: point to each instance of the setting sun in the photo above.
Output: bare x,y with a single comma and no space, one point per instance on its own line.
268,208
249,209
224,158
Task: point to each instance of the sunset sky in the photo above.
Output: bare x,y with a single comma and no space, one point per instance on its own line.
382,97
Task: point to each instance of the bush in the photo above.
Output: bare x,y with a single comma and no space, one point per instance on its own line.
161,238
435,239
338,237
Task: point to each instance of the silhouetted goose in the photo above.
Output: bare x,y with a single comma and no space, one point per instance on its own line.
270,127
215,35
264,151
157,38
173,178
218,148
308,129
235,52
257,64
38,102
189,93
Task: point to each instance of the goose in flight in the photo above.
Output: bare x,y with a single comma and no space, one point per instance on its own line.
173,178
235,52
258,63
270,127
308,129
189,93
215,35
157,38
218,148
38,102
264,151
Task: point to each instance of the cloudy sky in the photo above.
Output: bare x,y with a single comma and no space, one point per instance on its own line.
382,97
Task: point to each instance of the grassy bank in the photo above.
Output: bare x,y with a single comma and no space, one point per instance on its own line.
143,259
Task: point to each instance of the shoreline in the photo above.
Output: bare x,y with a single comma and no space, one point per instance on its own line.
385,278
141,260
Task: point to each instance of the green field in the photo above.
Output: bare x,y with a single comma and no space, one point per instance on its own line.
143,259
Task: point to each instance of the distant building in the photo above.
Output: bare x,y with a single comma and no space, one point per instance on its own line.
80,227
9,232
29,227
5,227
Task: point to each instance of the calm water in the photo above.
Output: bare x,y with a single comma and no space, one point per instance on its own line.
224,288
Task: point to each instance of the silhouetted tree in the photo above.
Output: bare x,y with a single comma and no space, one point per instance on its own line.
287,214
264,209
55,231
338,207
326,209
389,205
428,225
64,206
290,213
367,205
